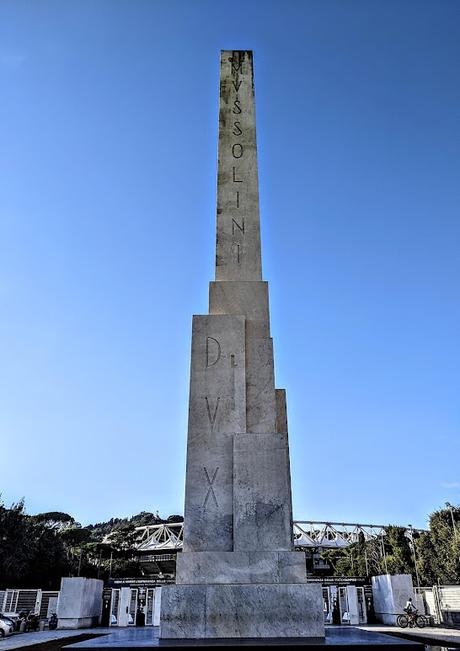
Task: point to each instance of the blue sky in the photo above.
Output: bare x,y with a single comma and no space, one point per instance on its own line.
108,128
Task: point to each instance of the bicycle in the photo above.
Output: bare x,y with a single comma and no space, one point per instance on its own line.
412,620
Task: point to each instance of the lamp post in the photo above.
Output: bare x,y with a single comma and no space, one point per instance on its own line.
79,561
414,552
384,552
454,526
365,560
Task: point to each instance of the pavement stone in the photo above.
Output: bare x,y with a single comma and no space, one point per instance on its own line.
20,640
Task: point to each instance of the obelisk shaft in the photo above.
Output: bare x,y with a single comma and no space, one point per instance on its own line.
239,289
238,575
238,254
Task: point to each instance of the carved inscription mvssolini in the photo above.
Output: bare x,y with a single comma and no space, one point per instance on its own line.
237,150
238,230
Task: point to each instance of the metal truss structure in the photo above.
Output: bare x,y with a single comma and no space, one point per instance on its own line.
307,534
160,537
333,535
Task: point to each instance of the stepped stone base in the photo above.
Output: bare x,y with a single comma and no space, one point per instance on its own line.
240,567
241,611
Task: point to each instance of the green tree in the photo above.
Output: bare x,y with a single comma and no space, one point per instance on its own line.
15,554
389,553
31,554
399,557
55,520
438,551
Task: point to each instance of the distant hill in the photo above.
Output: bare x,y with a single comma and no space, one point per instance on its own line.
142,519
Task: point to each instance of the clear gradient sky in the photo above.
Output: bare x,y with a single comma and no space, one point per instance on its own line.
108,141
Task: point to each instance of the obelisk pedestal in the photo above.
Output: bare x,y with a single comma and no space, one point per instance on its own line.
238,575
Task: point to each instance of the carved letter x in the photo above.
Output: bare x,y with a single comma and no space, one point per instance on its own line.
210,488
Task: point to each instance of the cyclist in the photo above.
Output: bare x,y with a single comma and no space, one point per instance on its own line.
411,618
410,609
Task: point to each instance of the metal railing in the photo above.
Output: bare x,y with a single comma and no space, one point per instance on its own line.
29,600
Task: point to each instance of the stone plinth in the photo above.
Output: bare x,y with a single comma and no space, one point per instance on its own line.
240,567
242,611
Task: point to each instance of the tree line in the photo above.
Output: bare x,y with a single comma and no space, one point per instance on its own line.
37,550
432,556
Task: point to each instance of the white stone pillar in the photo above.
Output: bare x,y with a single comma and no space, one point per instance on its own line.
390,593
80,602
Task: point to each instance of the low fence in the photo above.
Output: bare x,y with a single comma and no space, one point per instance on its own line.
442,603
42,602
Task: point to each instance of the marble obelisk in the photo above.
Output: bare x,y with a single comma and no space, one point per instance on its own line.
238,575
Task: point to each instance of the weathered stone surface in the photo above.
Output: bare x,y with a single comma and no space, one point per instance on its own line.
240,567
80,602
242,297
260,386
390,593
291,568
264,611
183,611
217,409
208,522
251,299
218,375
281,411
243,611
262,492
238,255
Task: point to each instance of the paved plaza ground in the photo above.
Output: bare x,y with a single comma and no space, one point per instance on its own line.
56,640
449,637
49,639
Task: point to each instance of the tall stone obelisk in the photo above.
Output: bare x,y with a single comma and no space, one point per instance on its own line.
238,575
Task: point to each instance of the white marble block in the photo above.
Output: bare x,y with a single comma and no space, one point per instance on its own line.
390,593
80,602
262,513
217,408
240,567
242,611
